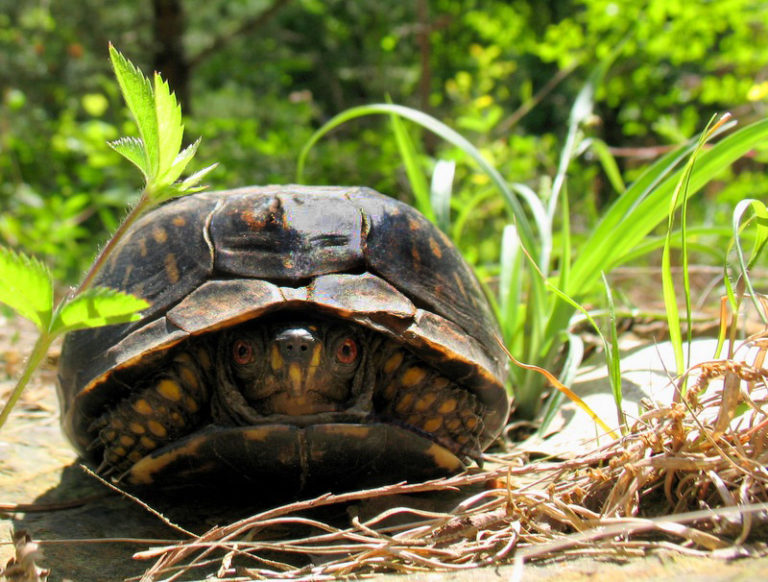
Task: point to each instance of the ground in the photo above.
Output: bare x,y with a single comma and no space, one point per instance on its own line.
96,537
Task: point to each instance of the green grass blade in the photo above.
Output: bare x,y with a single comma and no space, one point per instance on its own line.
761,220
440,191
452,137
26,287
612,354
510,284
608,162
639,210
410,157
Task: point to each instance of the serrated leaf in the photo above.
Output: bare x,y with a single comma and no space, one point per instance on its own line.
132,149
95,307
137,92
169,126
190,184
26,287
180,163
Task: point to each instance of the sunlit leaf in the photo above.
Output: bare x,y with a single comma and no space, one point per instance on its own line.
190,184
26,287
440,191
95,307
132,149
169,129
416,177
137,92
180,163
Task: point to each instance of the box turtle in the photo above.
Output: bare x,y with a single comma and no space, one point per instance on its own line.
297,337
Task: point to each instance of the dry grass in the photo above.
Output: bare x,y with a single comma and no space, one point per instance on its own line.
686,477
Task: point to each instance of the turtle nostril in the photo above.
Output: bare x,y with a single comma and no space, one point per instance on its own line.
295,343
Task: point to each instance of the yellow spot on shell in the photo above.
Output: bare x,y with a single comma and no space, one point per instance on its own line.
191,404
413,376
425,402
148,443
404,404
393,362
142,407
169,390
316,353
159,235
135,456
157,429
117,423
109,435
126,440
413,224
189,378
276,360
137,428
390,391
453,424
177,419
433,424
435,247
295,376
444,458
119,451
447,406
171,268
179,221
203,358
143,247
439,383
127,275
459,283
470,422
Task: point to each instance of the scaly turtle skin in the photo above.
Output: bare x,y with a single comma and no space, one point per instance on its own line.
297,336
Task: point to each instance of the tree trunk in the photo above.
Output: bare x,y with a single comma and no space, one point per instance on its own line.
169,58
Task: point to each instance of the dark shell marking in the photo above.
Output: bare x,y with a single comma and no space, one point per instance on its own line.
215,260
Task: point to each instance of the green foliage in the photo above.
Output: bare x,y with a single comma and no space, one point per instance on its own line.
26,285
157,154
570,120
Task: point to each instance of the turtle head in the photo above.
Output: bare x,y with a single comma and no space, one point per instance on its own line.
293,368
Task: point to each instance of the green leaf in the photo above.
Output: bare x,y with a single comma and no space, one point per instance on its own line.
95,307
137,92
190,184
510,193
180,163
410,157
26,286
440,191
132,149
170,130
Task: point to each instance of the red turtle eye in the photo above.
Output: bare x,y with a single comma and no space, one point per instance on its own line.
242,352
347,351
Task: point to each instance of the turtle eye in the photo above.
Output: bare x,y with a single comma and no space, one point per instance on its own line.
242,352
346,353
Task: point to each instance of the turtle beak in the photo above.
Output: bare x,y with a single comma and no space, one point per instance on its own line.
299,351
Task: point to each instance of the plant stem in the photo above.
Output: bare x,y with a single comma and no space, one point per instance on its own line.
39,352
98,264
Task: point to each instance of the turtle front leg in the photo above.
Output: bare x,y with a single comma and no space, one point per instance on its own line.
173,403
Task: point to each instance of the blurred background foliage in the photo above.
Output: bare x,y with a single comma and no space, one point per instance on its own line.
257,77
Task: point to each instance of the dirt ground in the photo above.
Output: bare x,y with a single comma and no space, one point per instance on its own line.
96,539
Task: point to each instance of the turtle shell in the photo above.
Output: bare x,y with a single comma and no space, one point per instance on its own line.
214,260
